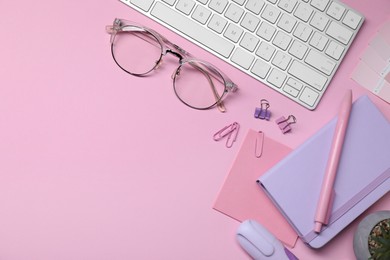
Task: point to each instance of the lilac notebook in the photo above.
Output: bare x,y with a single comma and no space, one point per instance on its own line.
363,175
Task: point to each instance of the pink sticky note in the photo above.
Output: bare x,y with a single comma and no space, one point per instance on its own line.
375,61
381,46
240,196
384,31
370,80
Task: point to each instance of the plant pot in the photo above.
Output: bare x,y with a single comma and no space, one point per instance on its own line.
360,240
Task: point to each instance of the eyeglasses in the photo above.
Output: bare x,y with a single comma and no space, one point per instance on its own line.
139,50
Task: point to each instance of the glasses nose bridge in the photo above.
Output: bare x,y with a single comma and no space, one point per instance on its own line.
176,54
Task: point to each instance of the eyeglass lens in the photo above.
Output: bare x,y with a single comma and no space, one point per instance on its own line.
197,87
138,52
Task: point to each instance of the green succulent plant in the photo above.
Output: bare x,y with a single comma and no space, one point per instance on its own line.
379,241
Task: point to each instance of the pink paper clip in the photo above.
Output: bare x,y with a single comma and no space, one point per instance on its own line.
259,144
229,131
284,124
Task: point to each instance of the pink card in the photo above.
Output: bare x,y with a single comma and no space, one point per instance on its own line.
240,196
373,69
384,31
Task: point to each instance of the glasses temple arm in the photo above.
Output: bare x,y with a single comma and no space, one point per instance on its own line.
220,103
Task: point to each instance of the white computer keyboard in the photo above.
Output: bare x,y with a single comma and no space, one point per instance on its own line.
292,46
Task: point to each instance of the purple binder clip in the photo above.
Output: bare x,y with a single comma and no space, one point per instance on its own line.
284,124
262,112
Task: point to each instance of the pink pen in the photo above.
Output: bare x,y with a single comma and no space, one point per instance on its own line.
326,197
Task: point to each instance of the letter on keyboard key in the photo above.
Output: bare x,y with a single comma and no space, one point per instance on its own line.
287,5
339,33
270,13
320,62
254,6
336,10
234,13
303,12
192,29
233,32
352,19
308,75
276,78
290,90
334,50
143,4
201,14
185,6
218,5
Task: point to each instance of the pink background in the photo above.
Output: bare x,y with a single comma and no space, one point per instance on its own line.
97,164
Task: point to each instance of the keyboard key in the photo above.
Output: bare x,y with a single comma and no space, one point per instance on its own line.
234,13
287,5
218,5
287,23
249,42
298,49
339,33
320,62
185,6
265,51
242,58
143,4
281,60
261,68
318,41
308,75
352,19
201,14
303,12
197,32
217,23
282,40
290,90
303,32
334,50
320,4
319,21
336,10
309,96
276,78
254,6
294,83
266,31
233,32
250,22
270,13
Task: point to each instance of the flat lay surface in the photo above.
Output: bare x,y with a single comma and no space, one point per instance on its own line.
98,164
